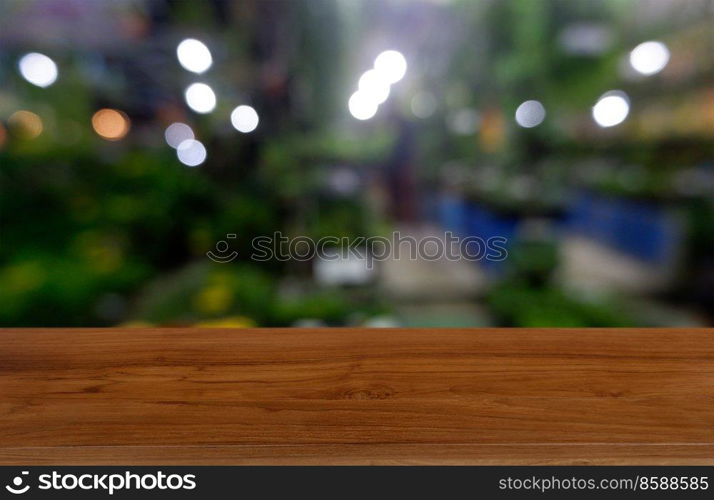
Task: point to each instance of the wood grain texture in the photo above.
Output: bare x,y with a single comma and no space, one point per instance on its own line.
356,396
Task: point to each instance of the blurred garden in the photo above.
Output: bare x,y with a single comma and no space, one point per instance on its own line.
136,135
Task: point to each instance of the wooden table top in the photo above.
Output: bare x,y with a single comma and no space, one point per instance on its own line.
356,396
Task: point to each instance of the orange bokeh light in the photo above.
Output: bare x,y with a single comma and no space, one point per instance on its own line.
110,124
26,123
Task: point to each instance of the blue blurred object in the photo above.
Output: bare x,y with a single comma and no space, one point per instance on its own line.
640,229
485,223
452,214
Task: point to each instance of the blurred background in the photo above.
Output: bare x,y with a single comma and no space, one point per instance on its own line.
135,135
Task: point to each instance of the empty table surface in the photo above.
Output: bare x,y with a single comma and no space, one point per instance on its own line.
356,396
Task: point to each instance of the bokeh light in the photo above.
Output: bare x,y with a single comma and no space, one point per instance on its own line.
464,121
110,124
530,114
194,55
362,106
176,133
649,58
38,69
25,124
191,152
374,85
391,65
423,104
200,98
611,109
244,119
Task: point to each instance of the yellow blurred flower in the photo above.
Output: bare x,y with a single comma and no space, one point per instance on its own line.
214,299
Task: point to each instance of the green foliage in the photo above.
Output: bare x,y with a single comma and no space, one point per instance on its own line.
204,291
329,306
528,297
207,290
519,304
76,229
